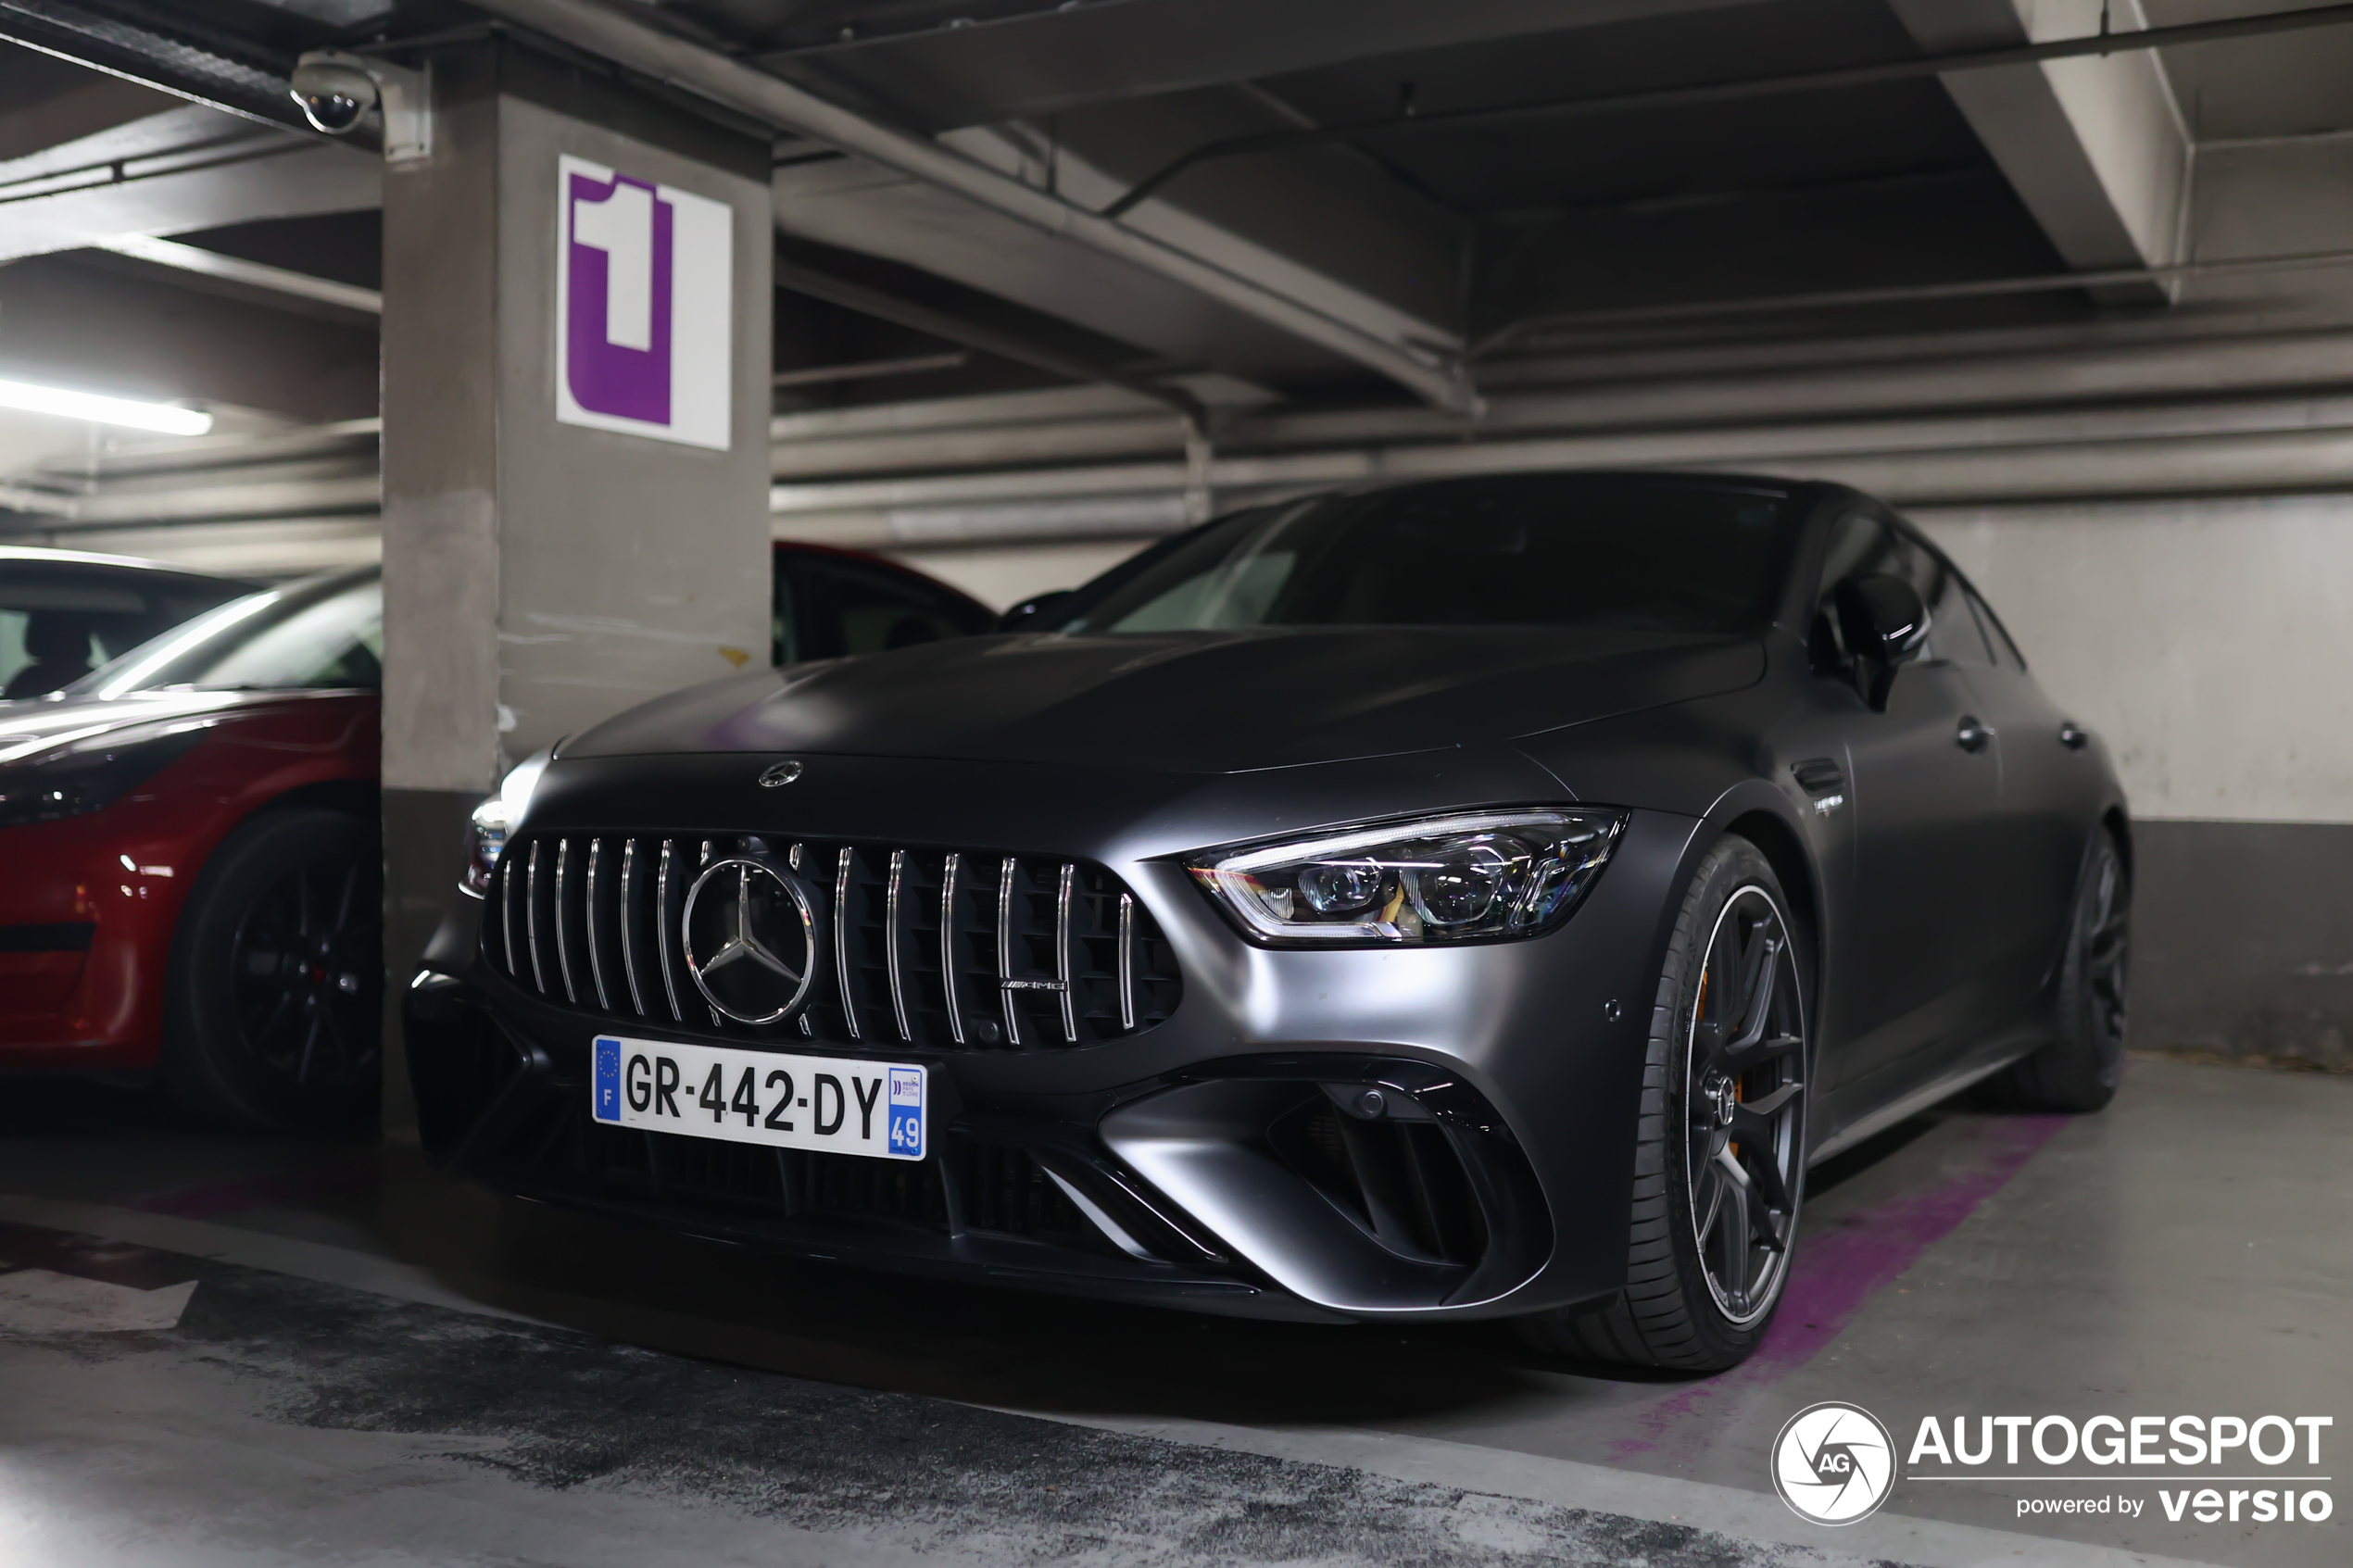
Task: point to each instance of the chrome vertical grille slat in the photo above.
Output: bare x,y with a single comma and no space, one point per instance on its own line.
890,944
1005,876
558,917
531,922
844,973
1126,938
1062,967
1070,956
661,932
629,924
509,887
596,954
949,968
808,1025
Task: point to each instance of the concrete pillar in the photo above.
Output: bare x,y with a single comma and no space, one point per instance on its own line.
576,452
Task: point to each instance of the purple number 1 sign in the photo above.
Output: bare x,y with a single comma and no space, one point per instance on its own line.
644,297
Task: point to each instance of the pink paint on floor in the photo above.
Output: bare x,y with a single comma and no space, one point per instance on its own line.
1842,1264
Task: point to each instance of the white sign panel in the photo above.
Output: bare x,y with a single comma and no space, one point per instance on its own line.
644,303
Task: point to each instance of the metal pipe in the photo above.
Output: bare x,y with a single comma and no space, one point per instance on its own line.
694,68
872,370
1906,294
1752,87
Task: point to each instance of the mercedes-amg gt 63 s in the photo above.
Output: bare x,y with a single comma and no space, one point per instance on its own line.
1473,898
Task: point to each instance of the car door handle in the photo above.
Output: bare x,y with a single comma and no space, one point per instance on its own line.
1972,735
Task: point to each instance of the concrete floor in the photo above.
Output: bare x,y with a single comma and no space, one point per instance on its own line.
216,1349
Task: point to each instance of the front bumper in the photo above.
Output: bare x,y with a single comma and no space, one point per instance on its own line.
86,916
1226,1159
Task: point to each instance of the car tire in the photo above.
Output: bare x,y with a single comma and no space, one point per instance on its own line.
1681,1307
2079,1069
274,992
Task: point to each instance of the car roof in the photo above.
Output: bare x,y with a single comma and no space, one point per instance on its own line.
35,553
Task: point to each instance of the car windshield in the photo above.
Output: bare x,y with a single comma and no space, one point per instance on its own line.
312,636
1532,550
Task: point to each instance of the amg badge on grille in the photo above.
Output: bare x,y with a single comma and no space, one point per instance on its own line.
749,930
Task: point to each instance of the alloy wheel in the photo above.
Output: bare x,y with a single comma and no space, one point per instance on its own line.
1743,1105
306,961
2107,921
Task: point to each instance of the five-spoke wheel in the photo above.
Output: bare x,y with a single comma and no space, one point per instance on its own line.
1743,1105
1719,1142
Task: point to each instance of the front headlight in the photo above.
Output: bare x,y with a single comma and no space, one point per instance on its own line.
494,819
89,771
1440,879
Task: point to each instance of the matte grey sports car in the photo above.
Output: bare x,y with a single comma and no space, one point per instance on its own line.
1480,898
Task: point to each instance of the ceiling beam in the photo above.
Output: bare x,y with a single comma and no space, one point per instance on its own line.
186,168
1949,59
1054,57
197,60
604,32
2094,145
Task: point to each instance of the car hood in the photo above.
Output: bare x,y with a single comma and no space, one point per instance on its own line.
1205,702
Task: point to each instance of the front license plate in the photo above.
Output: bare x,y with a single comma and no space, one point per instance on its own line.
834,1104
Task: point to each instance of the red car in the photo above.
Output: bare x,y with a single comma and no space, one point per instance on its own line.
195,886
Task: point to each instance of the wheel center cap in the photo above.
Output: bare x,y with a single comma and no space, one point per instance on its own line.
1717,1090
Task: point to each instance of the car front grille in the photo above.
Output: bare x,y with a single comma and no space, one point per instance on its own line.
944,949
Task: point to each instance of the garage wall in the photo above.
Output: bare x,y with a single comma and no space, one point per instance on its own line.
1001,576
2210,643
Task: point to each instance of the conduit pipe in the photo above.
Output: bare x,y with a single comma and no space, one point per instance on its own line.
594,27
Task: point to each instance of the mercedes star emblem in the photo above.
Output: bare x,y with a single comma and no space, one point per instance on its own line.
750,937
776,775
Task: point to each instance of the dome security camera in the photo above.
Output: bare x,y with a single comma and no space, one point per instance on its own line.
336,90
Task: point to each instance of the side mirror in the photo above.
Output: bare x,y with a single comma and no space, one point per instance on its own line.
1036,614
1884,625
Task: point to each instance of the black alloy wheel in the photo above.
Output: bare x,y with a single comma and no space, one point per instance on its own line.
2079,1069
275,1017
1744,1106
1719,1154
301,958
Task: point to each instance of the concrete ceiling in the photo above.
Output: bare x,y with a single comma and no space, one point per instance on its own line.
1470,242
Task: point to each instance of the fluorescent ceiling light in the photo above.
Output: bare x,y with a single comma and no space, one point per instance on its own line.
167,417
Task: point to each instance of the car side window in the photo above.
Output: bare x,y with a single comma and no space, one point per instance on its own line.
876,612
1997,636
784,632
1861,543
56,625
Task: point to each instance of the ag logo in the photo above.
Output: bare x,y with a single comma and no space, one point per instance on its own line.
1834,1463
